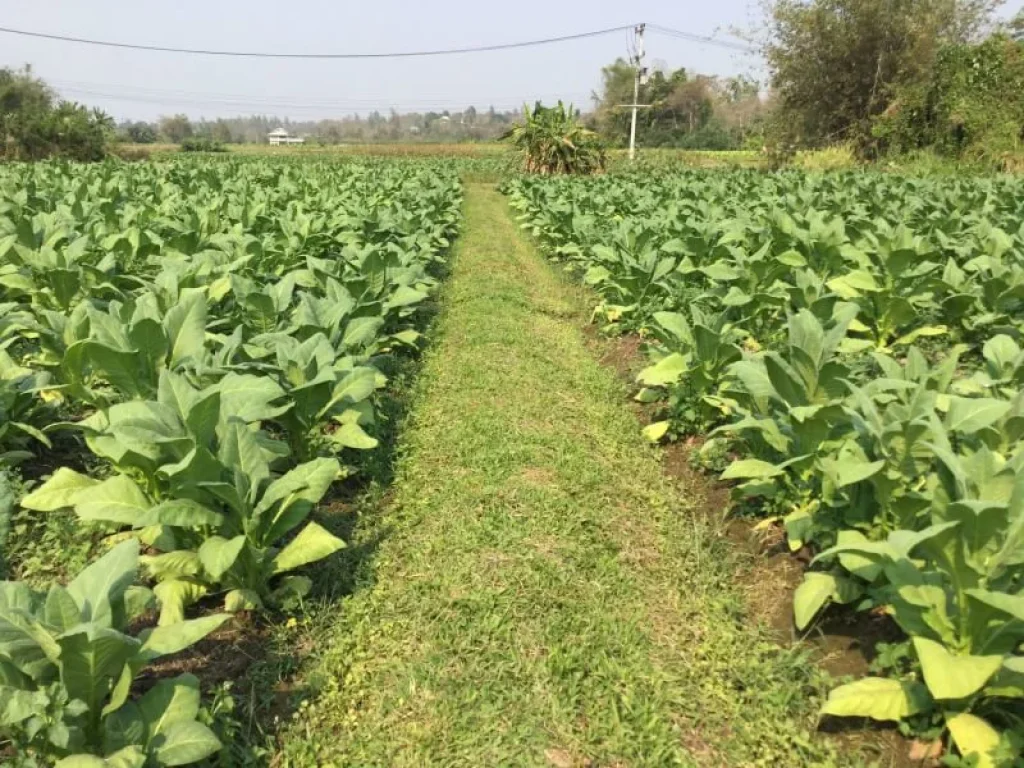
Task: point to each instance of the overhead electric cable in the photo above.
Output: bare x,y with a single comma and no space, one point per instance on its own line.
126,92
267,55
736,46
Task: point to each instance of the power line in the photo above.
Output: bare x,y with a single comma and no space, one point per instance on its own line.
264,55
256,105
126,92
701,39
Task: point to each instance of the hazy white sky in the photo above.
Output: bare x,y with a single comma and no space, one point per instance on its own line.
139,84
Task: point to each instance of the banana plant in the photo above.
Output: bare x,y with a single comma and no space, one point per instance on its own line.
67,663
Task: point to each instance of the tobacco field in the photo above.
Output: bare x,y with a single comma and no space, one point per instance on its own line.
196,348
850,344
200,360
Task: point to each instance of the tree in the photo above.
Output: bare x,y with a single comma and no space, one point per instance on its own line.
34,124
836,64
137,133
610,120
1015,27
175,128
220,131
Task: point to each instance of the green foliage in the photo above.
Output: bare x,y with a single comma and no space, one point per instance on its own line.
838,64
227,355
67,662
35,125
552,140
853,341
686,111
970,104
202,144
137,132
7,504
215,333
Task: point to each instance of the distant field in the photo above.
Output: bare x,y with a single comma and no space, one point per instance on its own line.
377,150
492,150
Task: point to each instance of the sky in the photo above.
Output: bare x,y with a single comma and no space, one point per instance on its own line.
144,85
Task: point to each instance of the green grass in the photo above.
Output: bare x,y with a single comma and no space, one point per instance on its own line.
533,591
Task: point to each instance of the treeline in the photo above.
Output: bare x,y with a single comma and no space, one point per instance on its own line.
686,110
888,77
447,126
35,123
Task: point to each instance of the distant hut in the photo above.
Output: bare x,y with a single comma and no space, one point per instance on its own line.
281,136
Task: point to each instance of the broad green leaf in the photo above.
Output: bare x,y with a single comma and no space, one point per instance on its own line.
115,500
98,588
16,706
863,566
91,660
169,702
361,331
249,397
218,554
185,324
181,513
970,414
818,589
171,638
743,469
308,481
184,743
676,324
313,543
1011,605
1002,351
60,610
849,470
404,296
122,368
853,284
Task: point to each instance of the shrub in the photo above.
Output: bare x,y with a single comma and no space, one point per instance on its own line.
34,125
202,144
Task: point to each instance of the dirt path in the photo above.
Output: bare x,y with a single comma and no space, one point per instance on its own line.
541,596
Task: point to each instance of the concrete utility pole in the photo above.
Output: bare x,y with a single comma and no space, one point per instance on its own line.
638,80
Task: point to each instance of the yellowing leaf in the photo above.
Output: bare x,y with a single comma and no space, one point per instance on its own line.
953,676
654,432
974,736
878,698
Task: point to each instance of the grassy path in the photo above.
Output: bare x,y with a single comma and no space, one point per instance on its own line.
541,595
